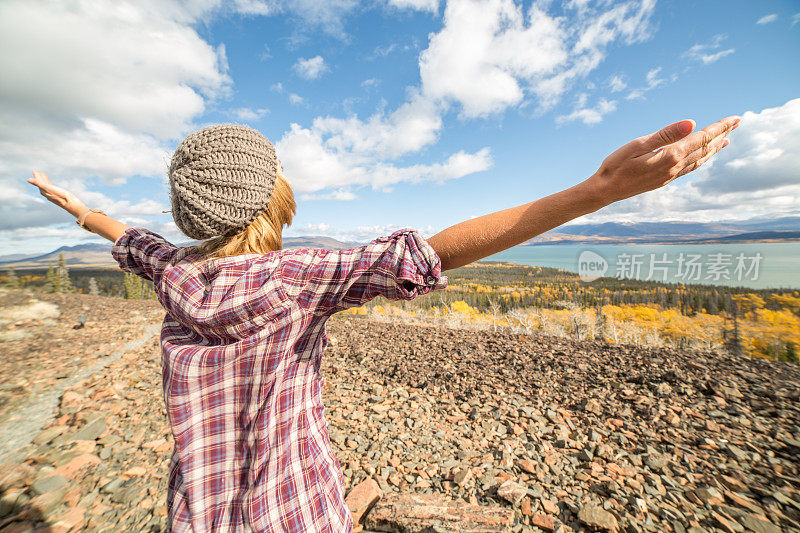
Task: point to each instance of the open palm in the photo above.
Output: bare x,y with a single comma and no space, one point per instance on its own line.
58,195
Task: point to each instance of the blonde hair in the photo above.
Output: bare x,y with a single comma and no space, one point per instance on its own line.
264,233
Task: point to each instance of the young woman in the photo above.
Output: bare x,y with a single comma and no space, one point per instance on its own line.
244,332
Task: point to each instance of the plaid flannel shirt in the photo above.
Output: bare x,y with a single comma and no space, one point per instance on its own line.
242,343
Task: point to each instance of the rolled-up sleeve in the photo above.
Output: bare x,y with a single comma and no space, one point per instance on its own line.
142,252
400,266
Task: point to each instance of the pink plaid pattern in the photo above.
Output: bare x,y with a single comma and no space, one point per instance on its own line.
242,344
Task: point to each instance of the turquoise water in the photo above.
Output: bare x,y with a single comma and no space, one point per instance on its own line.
754,265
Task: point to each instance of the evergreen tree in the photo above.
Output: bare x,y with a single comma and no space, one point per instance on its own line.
132,286
600,321
12,280
94,290
790,354
52,281
734,338
64,283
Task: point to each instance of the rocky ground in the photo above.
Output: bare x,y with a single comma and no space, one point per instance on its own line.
499,431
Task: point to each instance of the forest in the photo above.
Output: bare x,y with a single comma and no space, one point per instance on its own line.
485,294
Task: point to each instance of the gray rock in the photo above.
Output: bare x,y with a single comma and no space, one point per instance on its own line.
112,486
48,484
758,525
512,492
47,435
596,518
656,461
737,453
12,503
90,431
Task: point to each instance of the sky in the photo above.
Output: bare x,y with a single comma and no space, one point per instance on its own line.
393,113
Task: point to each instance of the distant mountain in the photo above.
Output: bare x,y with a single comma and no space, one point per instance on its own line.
780,229
91,254
783,228
755,236
98,255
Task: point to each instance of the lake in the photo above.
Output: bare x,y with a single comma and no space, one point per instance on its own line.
754,265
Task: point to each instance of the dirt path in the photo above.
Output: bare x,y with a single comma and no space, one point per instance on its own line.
38,411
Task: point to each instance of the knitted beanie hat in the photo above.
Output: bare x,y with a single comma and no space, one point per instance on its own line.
221,178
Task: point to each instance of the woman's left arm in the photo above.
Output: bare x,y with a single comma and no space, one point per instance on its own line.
642,165
99,223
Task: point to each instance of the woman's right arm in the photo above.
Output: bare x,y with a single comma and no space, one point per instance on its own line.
642,165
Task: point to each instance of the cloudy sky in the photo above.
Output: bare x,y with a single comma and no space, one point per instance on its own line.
392,113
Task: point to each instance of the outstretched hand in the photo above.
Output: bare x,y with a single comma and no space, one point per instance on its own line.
654,160
58,195
98,223
642,165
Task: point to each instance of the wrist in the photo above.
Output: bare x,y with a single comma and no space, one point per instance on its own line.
75,207
593,194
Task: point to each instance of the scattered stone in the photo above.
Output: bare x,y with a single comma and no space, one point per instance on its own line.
78,465
362,497
42,505
12,503
663,389
709,495
462,477
15,475
72,520
592,406
526,465
91,431
759,525
543,521
549,506
418,513
567,423
48,484
595,518
656,461
512,492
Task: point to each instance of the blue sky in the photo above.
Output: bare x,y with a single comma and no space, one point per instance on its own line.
394,113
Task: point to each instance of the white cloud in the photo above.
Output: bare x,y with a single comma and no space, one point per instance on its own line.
588,115
616,83
358,234
110,61
756,175
487,57
710,52
247,114
308,15
764,153
419,5
311,68
483,52
96,90
296,99
341,195
652,80
22,210
411,127
795,18
490,55
336,153
766,19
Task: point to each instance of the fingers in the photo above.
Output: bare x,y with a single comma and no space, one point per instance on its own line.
714,147
668,135
40,177
708,142
701,139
